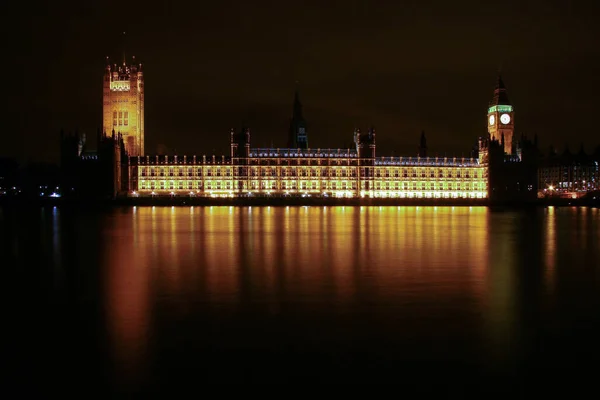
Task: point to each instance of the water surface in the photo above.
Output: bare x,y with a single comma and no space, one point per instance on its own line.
144,298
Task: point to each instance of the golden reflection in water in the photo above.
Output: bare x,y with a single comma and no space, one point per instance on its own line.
226,258
502,297
129,248
550,249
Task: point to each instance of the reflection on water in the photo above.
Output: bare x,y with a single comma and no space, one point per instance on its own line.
245,255
363,291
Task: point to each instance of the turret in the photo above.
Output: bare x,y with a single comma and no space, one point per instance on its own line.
365,143
240,143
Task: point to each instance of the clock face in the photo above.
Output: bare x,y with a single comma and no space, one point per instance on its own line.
492,120
505,118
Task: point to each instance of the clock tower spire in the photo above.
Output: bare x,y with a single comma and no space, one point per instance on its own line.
500,117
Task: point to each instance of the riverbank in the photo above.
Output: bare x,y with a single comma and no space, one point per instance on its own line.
292,201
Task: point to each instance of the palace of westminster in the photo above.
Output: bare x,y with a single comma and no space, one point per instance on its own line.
505,166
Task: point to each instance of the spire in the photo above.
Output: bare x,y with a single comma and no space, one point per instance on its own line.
297,135
124,58
500,95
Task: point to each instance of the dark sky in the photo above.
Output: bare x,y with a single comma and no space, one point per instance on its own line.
404,67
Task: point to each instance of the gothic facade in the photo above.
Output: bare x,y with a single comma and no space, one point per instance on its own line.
123,104
503,168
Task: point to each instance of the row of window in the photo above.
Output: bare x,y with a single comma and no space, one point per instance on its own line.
303,161
313,172
120,118
180,171
304,185
189,185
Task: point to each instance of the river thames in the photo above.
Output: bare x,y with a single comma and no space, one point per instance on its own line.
141,299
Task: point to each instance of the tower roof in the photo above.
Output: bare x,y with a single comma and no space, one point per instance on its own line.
500,95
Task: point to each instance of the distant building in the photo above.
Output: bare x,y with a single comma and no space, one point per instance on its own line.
569,175
123,104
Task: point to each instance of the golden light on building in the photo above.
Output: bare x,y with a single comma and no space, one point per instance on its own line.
300,171
310,172
123,104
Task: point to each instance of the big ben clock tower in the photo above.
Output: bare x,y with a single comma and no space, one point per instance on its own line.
500,118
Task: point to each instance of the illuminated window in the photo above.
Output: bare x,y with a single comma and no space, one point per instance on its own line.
120,118
126,118
114,118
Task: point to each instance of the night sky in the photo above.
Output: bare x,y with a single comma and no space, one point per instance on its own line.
403,68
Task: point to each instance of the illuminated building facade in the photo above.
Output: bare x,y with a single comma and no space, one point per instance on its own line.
355,172
123,104
504,168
